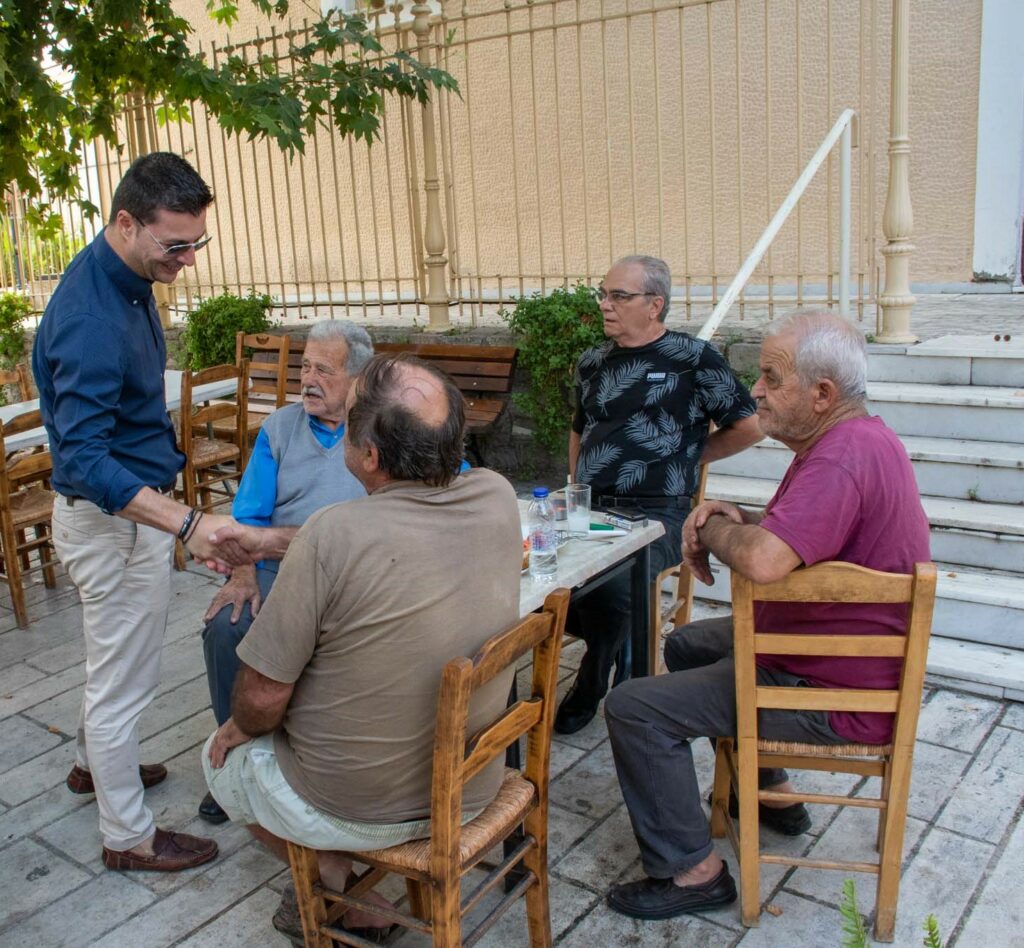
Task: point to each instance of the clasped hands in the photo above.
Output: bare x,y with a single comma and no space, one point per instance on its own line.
222,544
695,554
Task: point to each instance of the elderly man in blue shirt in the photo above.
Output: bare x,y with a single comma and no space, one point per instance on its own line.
296,467
99,360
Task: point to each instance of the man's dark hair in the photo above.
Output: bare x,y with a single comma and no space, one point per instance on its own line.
160,181
409,448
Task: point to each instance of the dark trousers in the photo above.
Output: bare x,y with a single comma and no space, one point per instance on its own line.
602,617
220,639
651,722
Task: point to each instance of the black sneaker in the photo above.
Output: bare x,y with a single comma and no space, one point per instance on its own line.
662,898
578,708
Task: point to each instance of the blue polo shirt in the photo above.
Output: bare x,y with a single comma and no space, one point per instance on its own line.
98,360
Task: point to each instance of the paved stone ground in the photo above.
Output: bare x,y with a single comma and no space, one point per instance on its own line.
965,835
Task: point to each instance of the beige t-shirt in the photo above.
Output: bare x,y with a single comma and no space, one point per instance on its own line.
374,597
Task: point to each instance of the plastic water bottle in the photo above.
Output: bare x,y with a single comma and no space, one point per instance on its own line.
543,543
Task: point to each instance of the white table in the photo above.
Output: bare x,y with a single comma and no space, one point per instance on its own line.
172,392
584,564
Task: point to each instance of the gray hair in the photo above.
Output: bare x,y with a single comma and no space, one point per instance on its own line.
827,347
657,278
360,345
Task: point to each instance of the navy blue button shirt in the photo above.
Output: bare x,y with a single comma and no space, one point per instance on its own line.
99,359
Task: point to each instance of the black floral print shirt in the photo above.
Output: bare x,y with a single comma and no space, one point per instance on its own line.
642,414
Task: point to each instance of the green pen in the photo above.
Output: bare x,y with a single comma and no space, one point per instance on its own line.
601,526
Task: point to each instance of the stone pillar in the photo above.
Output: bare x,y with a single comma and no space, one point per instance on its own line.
433,234
898,218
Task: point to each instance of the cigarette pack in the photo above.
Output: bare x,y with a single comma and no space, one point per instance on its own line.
625,518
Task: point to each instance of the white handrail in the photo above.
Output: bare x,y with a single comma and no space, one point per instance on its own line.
842,129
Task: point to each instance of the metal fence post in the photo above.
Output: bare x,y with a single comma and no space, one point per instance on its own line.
433,234
898,218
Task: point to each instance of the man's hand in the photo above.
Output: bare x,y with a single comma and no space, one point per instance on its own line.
699,516
240,589
202,546
228,735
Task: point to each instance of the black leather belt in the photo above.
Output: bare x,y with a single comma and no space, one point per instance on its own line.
648,503
169,489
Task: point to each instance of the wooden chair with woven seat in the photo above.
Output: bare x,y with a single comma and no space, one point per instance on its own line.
679,611
20,378
737,762
211,462
268,379
26,503
434,867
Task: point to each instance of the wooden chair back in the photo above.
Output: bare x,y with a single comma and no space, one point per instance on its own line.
19,377
831,582
268,376
681,608
26,503
434,867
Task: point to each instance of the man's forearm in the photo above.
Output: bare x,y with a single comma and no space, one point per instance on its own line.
154,509
274,542
749,548
728,541
252,719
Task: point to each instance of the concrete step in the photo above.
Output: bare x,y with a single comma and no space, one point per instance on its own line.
970,606
967,533
969,412
989,471
951,360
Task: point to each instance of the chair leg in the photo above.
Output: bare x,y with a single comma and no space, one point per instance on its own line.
891,856
538,905
723,783
419,899
46,556
25,556
444,913
313,911
886,783
654,661
750,894
180,559
14,578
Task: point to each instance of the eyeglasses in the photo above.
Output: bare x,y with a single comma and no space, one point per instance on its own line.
176,250
617,296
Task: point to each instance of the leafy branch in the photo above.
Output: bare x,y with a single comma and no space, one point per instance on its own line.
65,69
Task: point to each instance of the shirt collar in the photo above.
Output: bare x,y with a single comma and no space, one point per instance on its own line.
131,285
317,425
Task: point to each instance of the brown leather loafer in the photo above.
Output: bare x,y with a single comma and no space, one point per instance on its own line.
171,852
80,781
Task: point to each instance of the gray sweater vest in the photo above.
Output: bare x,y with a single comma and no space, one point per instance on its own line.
309,476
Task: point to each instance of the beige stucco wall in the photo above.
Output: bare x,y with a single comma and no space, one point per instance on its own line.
568,148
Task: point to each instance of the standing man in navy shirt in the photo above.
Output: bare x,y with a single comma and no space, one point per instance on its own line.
99,362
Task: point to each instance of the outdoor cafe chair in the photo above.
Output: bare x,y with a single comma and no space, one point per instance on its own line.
18,376
737,761
433,868
268,378
212,462
26,503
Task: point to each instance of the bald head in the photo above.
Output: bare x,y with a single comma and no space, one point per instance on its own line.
413,416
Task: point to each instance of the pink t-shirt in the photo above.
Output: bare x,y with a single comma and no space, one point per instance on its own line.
851,497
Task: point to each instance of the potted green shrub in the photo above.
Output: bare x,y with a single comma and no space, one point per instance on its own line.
14,310
551,332
210,329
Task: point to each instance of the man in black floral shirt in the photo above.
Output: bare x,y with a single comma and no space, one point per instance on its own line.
644,400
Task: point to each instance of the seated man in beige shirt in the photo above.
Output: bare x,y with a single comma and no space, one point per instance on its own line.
331,734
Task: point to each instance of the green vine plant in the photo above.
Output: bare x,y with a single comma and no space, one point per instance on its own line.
14,310
854,932
551,332
210,329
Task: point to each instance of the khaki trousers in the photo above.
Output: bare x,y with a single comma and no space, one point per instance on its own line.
123,574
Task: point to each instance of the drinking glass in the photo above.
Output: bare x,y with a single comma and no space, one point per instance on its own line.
577,505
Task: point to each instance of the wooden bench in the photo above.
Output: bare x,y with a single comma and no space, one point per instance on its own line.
484,375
